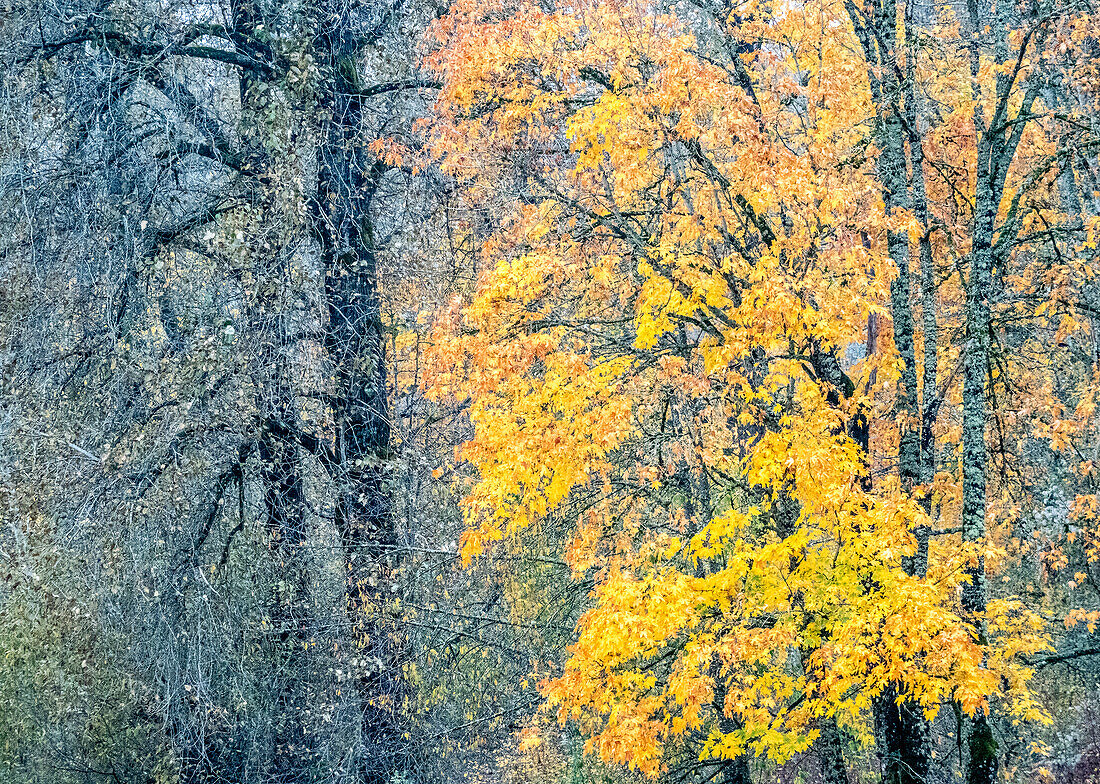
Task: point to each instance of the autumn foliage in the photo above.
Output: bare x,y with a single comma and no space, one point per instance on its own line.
683,350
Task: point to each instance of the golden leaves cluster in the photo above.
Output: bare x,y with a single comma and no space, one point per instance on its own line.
665,355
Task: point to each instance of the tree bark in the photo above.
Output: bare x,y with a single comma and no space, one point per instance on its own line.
902,730
982,765
349,179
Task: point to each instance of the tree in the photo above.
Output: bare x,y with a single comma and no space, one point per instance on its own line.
656,351
186,311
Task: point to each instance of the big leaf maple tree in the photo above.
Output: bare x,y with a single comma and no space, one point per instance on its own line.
696,219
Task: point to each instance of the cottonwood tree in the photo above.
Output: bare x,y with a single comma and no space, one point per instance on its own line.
192,199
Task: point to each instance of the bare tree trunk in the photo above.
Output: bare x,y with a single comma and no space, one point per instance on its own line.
982,765
904,746
349,179
285,505
930,399
834,770
284,509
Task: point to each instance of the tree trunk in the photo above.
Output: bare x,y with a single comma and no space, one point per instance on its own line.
349,178
930,399
982,765
831,750
902,730
284,509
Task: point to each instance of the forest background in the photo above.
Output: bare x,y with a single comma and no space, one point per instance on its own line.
527,391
